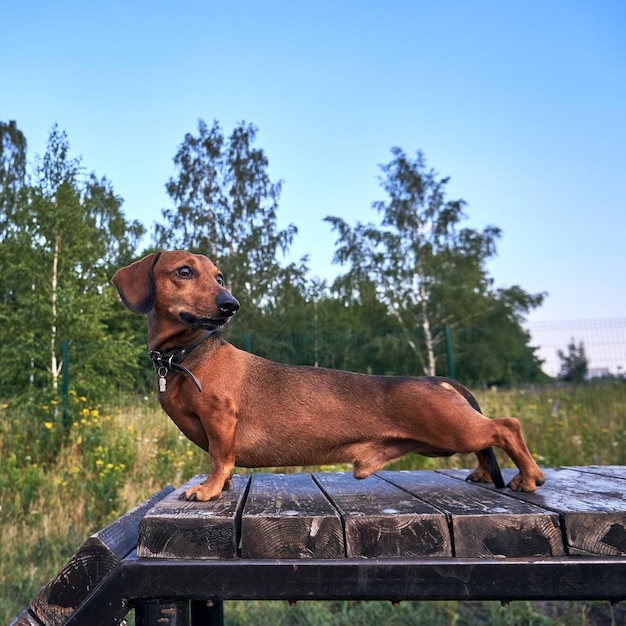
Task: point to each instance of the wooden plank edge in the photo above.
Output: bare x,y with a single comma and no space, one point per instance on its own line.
93,562
506,527
614,472
306,523
176,528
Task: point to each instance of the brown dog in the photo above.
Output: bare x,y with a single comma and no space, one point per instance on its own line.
251,412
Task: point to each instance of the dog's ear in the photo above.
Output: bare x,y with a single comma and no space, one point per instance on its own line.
136,286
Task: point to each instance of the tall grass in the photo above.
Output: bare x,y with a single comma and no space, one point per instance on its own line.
64,477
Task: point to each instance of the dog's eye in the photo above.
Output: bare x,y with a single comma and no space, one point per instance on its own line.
220,279
184,272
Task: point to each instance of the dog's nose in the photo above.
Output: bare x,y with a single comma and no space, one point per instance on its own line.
227,304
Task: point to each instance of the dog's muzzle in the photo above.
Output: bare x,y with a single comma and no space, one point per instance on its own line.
227,306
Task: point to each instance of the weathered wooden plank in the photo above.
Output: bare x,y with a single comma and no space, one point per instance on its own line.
485,522
382,521
94,561
592,508
287,516
193,530
615,471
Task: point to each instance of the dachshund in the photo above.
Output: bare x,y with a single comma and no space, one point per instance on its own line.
247,411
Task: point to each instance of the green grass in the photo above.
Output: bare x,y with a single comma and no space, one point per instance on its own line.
421,614
62,479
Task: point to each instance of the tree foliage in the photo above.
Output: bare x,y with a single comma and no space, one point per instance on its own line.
12,169
574,363
225,206
427,270
64,237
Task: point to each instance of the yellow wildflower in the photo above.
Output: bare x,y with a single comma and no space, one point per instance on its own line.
48,425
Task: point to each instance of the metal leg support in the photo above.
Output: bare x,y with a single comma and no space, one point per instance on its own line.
163,614
207,613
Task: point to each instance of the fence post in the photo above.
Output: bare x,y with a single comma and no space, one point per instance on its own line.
448,333
65,387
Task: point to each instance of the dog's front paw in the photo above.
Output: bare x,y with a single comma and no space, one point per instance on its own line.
479,475
201,493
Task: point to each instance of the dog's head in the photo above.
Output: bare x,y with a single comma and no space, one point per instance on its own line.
178,286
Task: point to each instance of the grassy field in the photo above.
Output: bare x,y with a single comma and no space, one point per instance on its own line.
63,478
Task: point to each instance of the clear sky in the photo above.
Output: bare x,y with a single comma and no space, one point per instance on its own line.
522,104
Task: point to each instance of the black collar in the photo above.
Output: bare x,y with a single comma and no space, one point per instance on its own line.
172,359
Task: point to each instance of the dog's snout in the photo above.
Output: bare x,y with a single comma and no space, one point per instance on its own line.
227,304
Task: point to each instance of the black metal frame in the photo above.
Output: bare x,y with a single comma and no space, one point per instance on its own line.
140,582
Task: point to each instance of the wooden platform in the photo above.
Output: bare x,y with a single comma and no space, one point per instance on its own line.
407,514
395,536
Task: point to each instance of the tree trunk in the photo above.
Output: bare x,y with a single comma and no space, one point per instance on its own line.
55,366
428,339
429,370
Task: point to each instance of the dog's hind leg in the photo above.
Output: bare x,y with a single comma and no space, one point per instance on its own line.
506,433
488,470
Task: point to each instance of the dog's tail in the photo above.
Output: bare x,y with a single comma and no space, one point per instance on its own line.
486,456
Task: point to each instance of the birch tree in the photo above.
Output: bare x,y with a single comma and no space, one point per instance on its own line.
62,241
416,249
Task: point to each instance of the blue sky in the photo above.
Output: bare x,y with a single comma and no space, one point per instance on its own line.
522,104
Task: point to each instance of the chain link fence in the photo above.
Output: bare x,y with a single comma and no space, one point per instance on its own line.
604,341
